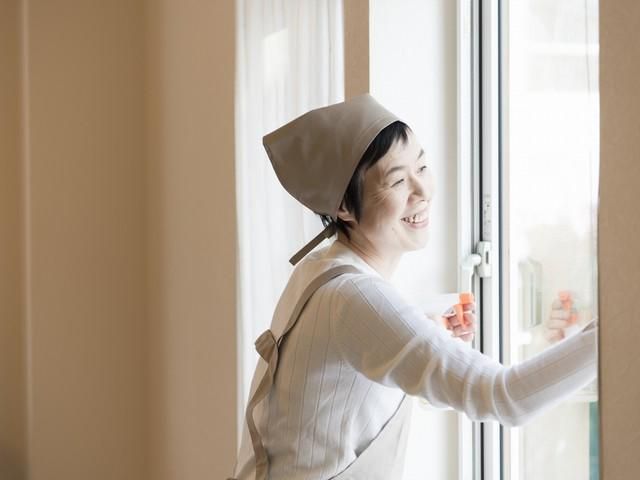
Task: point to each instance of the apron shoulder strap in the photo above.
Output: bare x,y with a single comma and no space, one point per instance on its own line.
267,346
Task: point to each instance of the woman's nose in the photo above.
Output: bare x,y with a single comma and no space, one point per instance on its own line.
421,188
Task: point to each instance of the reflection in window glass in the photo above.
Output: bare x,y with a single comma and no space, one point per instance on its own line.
551,164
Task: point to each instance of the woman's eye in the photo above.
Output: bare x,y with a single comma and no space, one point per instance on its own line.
398,182
422,169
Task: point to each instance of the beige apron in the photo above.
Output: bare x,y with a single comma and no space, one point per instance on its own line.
383,458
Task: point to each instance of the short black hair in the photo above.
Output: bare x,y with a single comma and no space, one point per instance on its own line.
396,131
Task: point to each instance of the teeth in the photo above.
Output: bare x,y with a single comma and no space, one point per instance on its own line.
414,219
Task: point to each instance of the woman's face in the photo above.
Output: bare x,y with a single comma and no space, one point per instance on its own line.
397,195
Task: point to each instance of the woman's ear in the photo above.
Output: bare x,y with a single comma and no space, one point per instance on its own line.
345,215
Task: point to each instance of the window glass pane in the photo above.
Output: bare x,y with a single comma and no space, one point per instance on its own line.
551,168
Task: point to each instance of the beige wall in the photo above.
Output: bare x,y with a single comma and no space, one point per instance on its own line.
356,48
117,292
82,262
12,352
619,239
191,239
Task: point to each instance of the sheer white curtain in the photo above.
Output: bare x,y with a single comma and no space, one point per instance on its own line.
289,60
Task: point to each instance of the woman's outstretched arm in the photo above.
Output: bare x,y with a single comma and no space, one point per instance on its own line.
390,342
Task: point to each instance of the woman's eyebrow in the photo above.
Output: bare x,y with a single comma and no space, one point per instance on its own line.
393,169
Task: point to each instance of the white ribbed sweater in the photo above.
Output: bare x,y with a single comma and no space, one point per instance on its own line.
358,346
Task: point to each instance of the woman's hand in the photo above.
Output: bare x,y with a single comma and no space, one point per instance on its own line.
465,332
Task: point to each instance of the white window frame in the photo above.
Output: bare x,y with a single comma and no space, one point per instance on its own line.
480,114
483,216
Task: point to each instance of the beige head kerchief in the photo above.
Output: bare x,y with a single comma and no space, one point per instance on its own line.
315,155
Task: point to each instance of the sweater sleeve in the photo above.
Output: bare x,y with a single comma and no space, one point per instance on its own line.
393,343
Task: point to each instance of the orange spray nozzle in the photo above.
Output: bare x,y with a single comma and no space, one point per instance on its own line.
465,299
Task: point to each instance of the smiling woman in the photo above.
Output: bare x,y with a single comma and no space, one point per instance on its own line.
352,201
328,399
397,188
391,184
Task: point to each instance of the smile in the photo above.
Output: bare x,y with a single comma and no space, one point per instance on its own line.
418,220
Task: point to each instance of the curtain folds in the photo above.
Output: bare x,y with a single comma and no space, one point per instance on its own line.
289,60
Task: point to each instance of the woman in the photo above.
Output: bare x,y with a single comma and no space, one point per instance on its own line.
344,349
